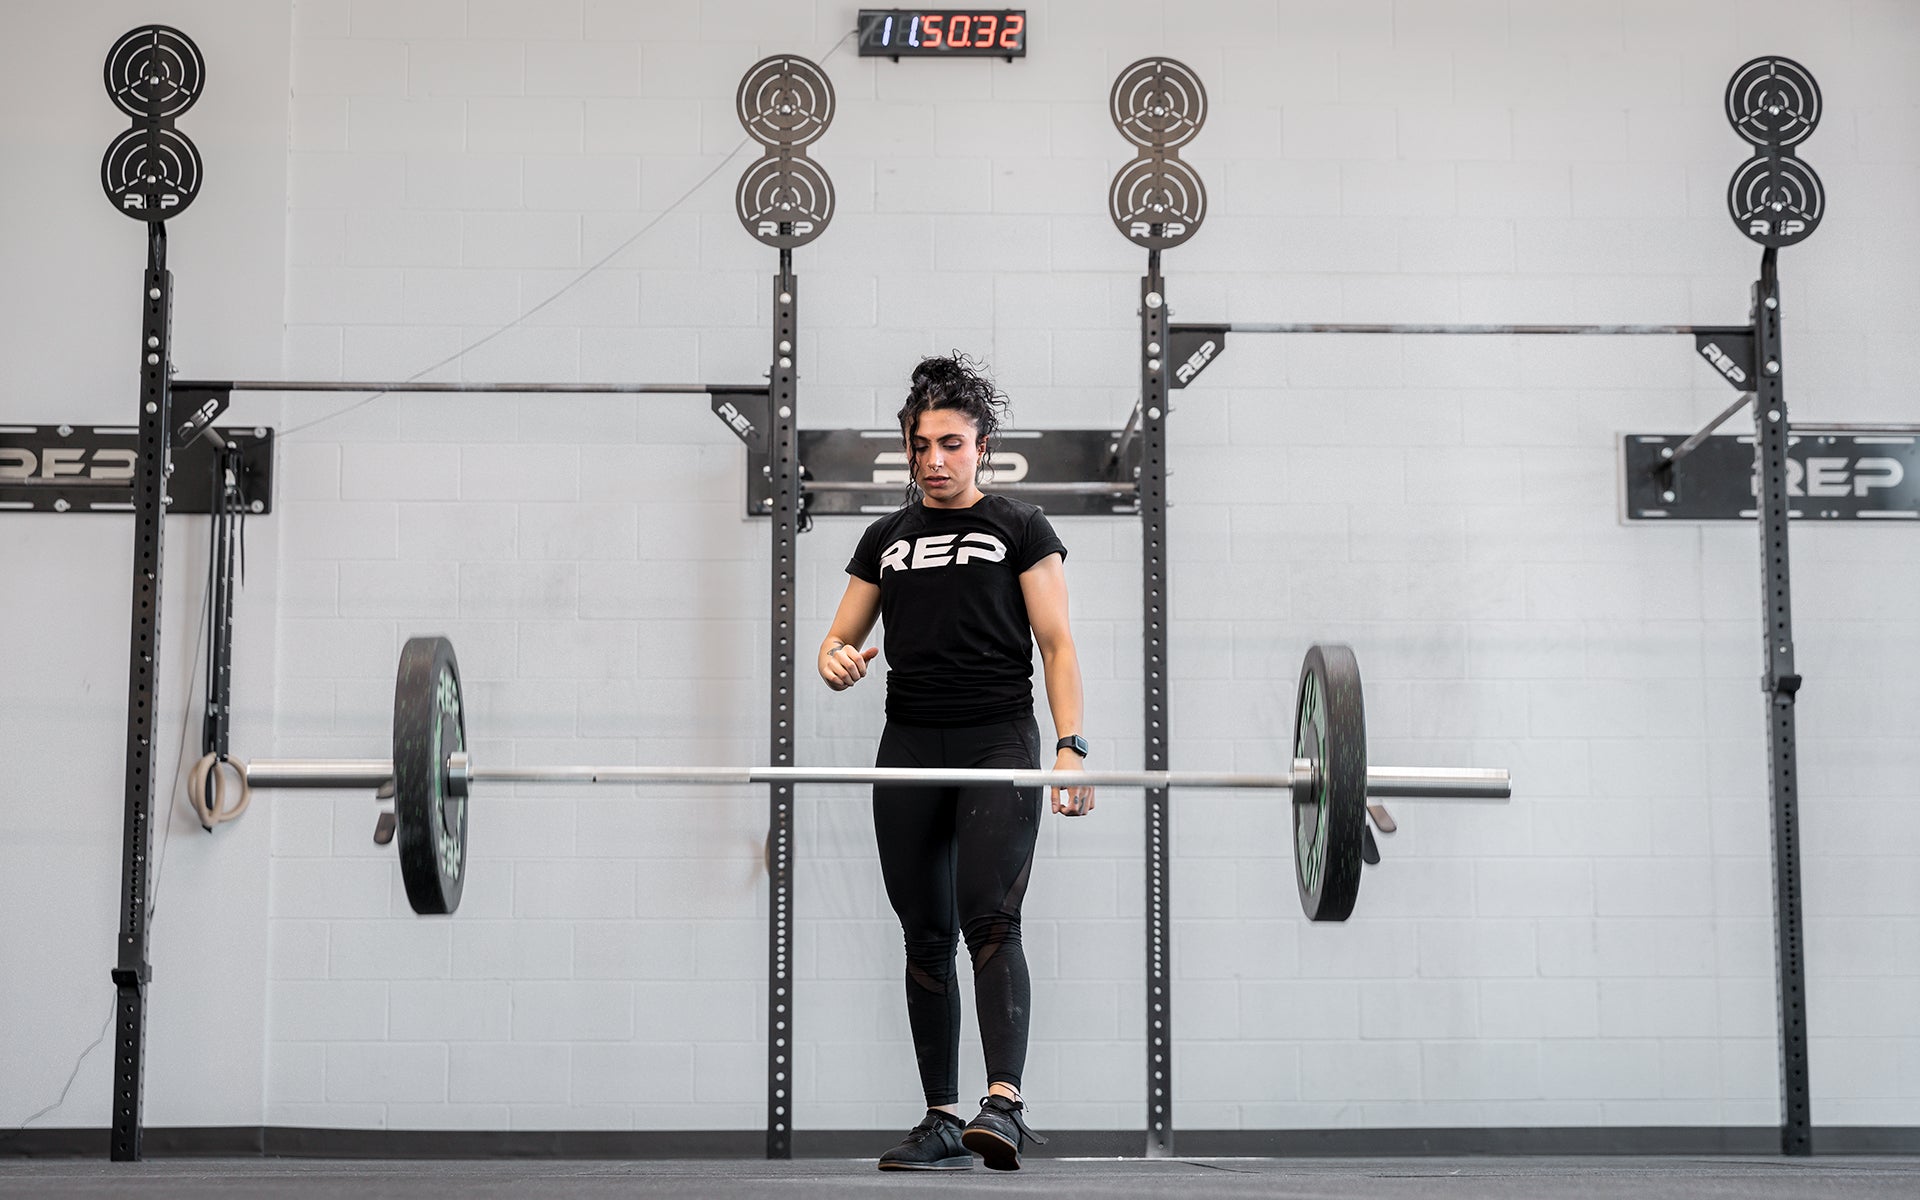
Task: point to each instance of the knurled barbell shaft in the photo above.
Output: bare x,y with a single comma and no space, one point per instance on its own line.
1414,783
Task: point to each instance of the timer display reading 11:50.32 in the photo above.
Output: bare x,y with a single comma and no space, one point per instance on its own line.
943,33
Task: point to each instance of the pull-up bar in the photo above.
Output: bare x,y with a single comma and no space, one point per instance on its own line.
1191,348
1430,328
1038,487
414,385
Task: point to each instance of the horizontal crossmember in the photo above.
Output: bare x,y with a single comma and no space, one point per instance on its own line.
417,385
1428,328
1045,488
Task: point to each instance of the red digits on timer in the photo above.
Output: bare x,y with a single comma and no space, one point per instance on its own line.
974,31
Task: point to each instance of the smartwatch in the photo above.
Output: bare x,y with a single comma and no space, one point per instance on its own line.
1073,742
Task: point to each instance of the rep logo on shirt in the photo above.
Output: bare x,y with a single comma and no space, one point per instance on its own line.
939,550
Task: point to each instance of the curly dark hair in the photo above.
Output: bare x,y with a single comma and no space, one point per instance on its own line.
960,383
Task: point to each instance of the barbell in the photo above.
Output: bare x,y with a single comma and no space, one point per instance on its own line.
432,777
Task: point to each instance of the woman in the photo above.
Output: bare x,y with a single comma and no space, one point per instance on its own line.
967,584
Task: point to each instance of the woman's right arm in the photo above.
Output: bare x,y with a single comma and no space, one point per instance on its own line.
841,661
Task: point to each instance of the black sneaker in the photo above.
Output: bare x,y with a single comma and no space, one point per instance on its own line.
932,1145
999,1133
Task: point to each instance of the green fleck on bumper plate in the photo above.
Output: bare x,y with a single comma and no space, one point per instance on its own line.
428,725
1330,816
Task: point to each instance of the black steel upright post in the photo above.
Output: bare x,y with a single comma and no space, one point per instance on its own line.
782,446
132,971
1781,683
1153,626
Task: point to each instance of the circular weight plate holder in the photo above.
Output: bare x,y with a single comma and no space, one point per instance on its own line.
1773,102
428,725
1776,200
1157,201
784,200
1158,103
154,73
151,172
1330,811
785,100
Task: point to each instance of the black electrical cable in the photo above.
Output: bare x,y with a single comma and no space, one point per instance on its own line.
564,288
160,860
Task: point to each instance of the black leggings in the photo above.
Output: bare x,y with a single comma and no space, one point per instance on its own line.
956,861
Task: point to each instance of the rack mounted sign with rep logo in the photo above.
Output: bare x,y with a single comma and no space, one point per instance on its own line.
1856,474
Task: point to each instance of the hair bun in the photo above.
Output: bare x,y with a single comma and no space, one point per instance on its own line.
936,370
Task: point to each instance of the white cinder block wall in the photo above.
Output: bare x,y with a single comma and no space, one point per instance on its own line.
71,275
1597,953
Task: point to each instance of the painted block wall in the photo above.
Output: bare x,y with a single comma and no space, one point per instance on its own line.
70,343
1596,953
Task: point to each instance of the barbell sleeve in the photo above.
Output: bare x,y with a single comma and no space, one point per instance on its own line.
1433,783
317,772
1440,783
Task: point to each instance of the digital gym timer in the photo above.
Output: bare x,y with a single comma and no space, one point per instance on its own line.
943,33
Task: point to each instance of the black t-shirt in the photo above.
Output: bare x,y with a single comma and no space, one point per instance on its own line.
959,647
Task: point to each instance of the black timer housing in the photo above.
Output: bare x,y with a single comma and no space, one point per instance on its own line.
943,32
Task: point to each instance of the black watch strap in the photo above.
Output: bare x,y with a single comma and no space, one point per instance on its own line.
1073,742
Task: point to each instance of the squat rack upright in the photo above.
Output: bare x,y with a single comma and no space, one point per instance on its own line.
151,173
1158,201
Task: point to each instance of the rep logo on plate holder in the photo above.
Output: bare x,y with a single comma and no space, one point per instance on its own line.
785,103
1775,198
152,171
428,725
1330,810
1157,200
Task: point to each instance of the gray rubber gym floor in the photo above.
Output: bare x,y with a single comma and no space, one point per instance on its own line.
1060,1179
